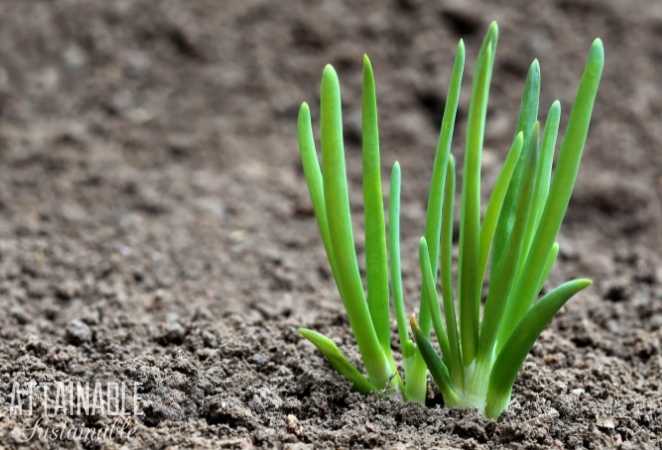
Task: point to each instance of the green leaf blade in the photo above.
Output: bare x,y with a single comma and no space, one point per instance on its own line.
514,352
470,285
550,134
433,302
496,200
313,176
543,175
338,360
528,115
417,382
446,261
336,196
395,268
504,272
375,232
437,368
530,103
437,182
563,181
549,265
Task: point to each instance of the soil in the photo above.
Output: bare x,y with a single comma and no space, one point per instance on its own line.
155,227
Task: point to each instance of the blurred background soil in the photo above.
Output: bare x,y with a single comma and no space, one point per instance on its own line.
155,226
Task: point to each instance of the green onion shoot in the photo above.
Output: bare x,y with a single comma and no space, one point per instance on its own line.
512,244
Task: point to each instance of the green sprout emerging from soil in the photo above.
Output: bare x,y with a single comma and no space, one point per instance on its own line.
480,356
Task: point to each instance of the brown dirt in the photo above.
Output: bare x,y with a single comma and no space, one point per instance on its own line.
150,189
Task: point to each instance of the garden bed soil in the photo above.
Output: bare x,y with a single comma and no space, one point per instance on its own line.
155,227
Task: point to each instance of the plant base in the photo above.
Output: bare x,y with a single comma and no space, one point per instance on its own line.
471,391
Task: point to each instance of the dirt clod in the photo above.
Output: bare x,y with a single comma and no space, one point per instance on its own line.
155,226
78,332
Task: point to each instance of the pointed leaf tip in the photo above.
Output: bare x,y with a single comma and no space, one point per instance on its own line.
367,68
583,283
329,73
597,50
534,68
519,139
512,355
413,323
493,31
337,359
368,75
422,245
304,109
597,43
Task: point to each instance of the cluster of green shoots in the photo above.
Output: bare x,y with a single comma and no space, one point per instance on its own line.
480,353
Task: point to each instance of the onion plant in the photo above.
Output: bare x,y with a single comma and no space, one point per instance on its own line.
481,353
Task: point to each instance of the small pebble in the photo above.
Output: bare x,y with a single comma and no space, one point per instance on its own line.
173,331
293,425
78,332
19,314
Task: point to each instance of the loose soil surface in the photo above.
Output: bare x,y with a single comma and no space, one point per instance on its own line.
155,227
